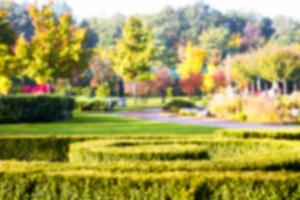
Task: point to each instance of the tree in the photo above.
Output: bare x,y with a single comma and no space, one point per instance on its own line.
192,84
7,33
209,84
56,49
18,15
132,57
102,72
251,38
267,29
192,62
278,64
287,31
163,80
241,69
215,38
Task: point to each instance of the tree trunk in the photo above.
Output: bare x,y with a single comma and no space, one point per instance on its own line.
285,87
252,87
295,86
134,92
258,84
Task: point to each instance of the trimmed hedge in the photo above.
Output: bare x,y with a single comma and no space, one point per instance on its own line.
118,150
28,108
212,154
176,105
81,184
97,105
272,134
233,168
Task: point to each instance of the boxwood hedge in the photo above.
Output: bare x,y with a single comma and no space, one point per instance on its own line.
30,108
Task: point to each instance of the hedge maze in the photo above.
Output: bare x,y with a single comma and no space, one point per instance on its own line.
162,168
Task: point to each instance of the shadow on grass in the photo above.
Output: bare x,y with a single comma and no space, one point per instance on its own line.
98,118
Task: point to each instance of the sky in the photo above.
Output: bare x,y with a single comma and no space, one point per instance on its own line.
107,8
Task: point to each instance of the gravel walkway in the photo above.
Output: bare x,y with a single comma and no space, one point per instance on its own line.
156,115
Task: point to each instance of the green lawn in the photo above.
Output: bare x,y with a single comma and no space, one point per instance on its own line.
101,124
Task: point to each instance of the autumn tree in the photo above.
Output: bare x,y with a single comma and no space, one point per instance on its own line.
7,67
192,84
163,80
192,62
278,64
56,49
132,57
251,38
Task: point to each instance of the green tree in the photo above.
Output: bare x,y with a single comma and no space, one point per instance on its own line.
215,38
132,57
278,64
7,33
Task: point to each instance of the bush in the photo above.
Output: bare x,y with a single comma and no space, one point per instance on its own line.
176,105
284,110
27,108
94,105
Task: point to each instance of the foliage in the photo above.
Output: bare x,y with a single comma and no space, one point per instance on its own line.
55,50
251,38
163,80
215,38
35,108
101,70
283,110
7,33
133,150
99,105
81,184
5,85
190,86
192,62
132,59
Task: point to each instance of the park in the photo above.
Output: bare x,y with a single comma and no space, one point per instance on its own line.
189,102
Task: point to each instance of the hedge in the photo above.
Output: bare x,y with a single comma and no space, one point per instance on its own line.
117,150
212,154
176,105
28,108
98,105
272,134
83,185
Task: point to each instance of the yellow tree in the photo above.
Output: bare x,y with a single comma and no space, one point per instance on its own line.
192,62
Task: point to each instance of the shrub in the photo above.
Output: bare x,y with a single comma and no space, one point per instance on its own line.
176,105
27,108
284,110
94,105
226,107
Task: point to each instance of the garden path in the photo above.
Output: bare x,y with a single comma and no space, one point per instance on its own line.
156,115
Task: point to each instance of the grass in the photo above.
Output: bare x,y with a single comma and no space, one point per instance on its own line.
102,124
